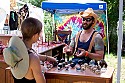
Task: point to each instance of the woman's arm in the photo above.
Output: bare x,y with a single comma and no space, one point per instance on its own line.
37,69
47,58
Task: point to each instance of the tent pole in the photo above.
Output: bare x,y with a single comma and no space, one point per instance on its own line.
120,38
107,32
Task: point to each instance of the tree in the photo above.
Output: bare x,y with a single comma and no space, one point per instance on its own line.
36,3
113,15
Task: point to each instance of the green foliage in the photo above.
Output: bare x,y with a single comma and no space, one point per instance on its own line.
112,61
113,15
123,26
113,43
112,11
48,25
36,2
25,1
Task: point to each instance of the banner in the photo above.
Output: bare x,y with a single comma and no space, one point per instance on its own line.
73,22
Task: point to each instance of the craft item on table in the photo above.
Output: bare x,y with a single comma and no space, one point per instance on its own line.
80,62
97,72
58,68
55,64
94,69
67,67
49,66
62,60
57,61
72,65
86,65
78,68
83,68
1,47
89,66
60,65
99,67
64,64
103,70
103,63
92,62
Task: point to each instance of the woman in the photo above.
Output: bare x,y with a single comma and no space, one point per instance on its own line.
31,29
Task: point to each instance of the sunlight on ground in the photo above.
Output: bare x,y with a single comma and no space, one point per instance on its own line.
112,61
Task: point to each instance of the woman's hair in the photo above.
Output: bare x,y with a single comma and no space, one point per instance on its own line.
30,26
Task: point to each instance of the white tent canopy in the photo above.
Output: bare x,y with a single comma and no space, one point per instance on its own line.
4,10
120,39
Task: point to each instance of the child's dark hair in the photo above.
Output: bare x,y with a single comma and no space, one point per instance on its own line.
30,26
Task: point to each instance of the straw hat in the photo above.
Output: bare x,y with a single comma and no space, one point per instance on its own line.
89,12
16,56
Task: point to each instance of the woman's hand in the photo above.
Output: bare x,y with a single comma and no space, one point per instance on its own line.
51,59
47,58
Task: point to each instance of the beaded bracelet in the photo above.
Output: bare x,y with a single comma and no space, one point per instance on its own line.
87,53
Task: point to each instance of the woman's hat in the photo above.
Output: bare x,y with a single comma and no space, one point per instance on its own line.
89,12
16,56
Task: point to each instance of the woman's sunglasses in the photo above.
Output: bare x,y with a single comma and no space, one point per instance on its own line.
87,19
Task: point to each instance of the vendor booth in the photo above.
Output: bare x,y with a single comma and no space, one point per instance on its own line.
66,18
66,14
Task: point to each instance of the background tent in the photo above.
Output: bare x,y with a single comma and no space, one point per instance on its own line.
66,14
74,6
4,10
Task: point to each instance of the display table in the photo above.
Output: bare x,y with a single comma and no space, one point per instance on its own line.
5,38
55,50
73,76
50,49
3,67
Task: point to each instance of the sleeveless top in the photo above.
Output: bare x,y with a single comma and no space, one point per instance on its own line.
85,46
24,80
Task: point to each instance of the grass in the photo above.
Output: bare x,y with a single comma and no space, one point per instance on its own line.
112,61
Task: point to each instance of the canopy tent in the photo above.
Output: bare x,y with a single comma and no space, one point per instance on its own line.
4,10
120,39
62,11
72,5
